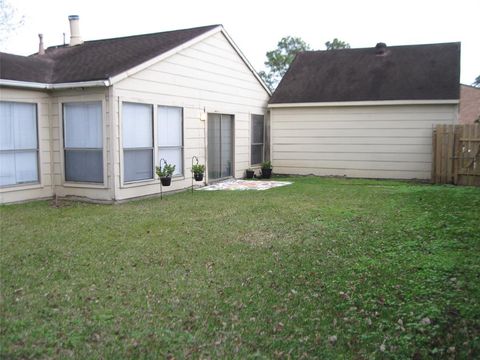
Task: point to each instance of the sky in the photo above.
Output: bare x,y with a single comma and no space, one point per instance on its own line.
256,26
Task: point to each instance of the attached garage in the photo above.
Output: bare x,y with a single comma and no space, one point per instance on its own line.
364,112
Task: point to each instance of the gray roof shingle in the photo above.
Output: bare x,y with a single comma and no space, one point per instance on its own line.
93,60
414,72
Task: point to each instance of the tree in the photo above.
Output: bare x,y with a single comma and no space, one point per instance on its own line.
267,79
337,44
279,60
476,83
10,21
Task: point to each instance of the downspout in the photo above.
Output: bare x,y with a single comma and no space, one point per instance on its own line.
115,146
111,118
50,145
205,145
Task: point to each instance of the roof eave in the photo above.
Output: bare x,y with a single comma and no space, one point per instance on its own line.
245,60
59,86
365,103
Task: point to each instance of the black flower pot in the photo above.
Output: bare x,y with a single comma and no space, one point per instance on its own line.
198,176
266,173
250,174
166,181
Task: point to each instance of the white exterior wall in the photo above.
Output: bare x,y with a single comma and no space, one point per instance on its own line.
387,141
208,76
42,189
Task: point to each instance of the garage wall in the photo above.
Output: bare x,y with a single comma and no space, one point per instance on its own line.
357,141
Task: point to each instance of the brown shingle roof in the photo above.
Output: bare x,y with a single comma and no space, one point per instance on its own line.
415,72
25,68
93,60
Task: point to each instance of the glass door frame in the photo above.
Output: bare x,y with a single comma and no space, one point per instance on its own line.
219,139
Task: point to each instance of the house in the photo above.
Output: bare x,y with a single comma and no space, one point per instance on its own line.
469,104
92,119
364,112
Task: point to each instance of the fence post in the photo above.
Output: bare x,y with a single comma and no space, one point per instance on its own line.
434,156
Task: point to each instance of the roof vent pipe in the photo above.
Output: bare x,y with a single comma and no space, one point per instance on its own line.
75,38
41,48
380,48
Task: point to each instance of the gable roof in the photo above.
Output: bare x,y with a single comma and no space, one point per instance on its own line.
94,60
414,72
102,60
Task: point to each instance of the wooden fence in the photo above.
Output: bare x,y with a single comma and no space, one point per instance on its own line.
456,154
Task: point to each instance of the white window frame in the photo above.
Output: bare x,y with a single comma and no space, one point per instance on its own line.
256,144
37,149
65,148
83,99
156,180
181,147
122,148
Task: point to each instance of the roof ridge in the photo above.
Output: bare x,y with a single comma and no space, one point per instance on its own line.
388,47
135,36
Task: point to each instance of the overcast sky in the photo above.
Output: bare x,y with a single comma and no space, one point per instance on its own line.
257,25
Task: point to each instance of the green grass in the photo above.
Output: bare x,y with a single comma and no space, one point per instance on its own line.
391,269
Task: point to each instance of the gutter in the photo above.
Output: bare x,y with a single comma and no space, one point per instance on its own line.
363,103
45,86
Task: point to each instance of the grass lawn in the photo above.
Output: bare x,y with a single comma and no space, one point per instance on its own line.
324,268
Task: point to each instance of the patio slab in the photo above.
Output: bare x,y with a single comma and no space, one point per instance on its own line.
235,185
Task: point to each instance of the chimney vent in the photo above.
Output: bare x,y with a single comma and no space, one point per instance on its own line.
75,37
41,48
380,48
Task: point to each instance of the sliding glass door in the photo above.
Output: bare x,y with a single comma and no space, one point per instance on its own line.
220,146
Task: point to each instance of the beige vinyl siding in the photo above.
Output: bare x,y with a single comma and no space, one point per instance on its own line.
72,189
357,141
209,76
43,189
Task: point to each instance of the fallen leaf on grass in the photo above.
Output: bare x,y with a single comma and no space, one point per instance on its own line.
332,339
425,321
279,327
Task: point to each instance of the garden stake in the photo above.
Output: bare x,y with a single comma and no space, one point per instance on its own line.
196,158
161,188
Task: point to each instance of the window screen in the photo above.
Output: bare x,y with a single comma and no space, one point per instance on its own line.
137,137
257,139
83,141
18,143
170,136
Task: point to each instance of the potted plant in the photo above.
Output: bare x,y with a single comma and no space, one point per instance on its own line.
165,173
198,171
250,173
266,170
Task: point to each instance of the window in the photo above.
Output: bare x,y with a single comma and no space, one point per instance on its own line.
83,141
257,139
18,143
137,142
170,136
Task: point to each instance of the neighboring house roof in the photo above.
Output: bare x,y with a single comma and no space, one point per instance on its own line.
101,60
414,72
469,104
93,60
